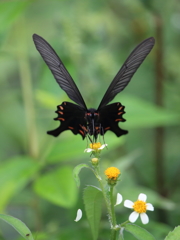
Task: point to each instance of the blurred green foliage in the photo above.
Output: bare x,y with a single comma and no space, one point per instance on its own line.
93,38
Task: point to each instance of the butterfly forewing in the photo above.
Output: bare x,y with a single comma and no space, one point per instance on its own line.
128,69
59,71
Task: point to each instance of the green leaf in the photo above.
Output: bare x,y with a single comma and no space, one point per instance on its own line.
76,171
48,100
58,187
60,149
93,206
174,235
146,114
14,175
9,11
138,232
18,225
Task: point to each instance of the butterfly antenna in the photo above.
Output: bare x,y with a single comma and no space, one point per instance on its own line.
87,141
102,129
103,136
90,139
94,139
100,132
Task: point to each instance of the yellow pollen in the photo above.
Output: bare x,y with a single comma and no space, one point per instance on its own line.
140,206
95,146
112,173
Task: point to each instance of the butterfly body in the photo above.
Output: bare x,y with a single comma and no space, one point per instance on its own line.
76,117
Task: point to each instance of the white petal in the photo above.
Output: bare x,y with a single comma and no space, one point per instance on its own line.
79,215
144,218
133,217
150,207
142,197
103,146
119,199
88,150
128,204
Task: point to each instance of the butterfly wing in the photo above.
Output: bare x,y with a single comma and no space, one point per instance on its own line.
110,116
128,69
59,71
72,117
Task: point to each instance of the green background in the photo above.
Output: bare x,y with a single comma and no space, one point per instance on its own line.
93,39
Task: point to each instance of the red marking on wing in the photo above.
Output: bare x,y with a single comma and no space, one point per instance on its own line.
70,127
81,132
60,112
62,119
120,113
117,120
83,127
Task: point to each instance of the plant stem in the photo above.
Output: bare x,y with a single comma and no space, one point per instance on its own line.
104,194
112,207
160,169
109,204
27,90
113,230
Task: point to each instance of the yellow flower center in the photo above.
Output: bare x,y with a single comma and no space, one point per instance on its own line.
95,146
140,206
112,173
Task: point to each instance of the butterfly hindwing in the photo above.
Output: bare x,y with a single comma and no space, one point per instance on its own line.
110,116
72,117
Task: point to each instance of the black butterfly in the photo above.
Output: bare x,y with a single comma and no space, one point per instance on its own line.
78,118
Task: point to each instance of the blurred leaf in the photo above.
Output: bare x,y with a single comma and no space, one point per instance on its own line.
14,175
47,99
18,225
10,10
60,148
138,232
126,161
58,187
140,113
174,235
160,229
77,170
93,199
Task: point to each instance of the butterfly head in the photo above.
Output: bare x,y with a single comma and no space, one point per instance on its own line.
92,114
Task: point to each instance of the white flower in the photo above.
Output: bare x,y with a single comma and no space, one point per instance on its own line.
118,199
140,207
94,147
79,215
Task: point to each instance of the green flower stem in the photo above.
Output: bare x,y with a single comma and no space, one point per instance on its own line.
109,204
113,231
96,171
124,223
